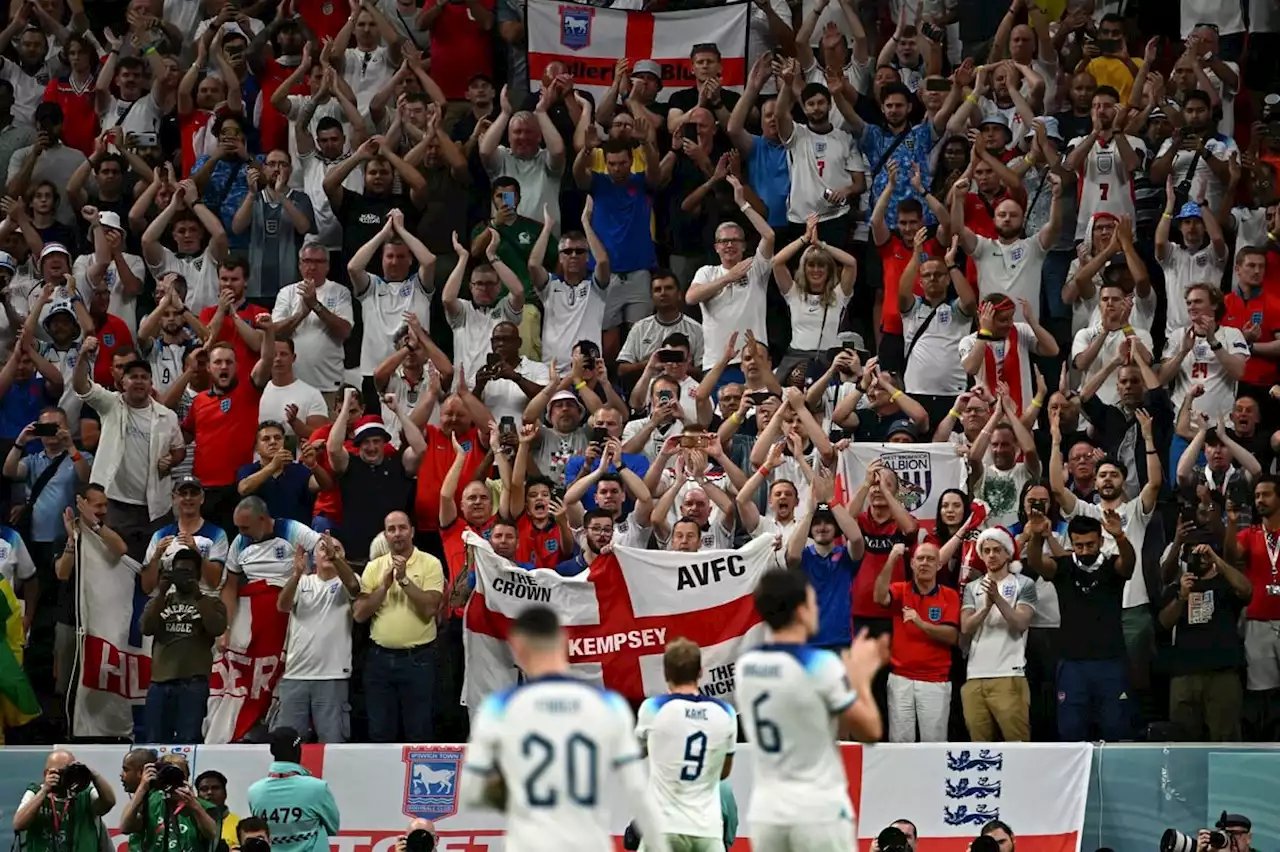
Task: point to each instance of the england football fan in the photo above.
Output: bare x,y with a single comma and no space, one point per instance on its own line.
689,739
797,700
611,493
920,685
1204,352
1255,547
1202,255
1107,159
829,566
300,810
549,775
262,551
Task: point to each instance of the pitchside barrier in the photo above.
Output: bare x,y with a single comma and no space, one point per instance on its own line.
1057,797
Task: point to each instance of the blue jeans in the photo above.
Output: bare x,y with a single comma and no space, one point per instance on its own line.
175,710
1093,691
323,525
398,686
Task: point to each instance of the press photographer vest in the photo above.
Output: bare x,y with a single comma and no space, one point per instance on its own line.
68,825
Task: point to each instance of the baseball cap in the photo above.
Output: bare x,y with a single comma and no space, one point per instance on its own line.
110,219
995,118
53,248
188,483
62,306
370,424
903,426
285,743
822,512
647,66
7,262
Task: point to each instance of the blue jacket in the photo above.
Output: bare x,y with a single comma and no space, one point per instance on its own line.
299,808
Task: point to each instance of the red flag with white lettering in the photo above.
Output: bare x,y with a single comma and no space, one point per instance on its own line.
620,614
244,676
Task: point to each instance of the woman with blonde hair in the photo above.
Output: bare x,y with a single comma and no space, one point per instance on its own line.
818,300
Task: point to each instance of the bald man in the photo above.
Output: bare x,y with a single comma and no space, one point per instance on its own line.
77,815
402,843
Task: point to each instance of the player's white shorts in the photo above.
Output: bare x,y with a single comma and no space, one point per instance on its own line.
690,843
813,837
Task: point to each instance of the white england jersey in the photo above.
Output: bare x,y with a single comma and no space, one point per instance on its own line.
559,744
1102,187
688,738
790,697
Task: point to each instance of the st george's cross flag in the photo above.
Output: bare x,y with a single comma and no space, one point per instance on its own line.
590,40
620,614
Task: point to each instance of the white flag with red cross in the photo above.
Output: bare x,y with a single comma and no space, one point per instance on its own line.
620,614
590,41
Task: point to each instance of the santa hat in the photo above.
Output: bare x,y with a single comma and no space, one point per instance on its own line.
1001,536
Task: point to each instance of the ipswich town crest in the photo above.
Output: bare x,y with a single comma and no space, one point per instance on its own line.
431,775
575,26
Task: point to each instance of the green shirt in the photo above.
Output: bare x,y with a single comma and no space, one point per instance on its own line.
183,832
515,248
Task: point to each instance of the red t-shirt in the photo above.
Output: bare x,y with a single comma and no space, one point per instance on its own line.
324,17
1264,312
435,465
455,553
246,358
979,215
273,127
224,427
79,114
894,257
188,127
913,654
113,334
539,546
459,49
880,539
1261,571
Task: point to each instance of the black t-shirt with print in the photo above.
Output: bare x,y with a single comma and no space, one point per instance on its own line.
1206,638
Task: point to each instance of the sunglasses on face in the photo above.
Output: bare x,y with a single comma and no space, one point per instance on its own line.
573,251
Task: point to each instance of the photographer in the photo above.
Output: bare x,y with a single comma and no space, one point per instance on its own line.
62,812
1203,608
164,810
421,837
185,623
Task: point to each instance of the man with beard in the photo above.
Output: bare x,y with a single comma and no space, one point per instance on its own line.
1203,352
995,613
362,214
1196,143
140,443
1253,547
830,567
1106,160
920,684
538,169
930,322
1203,610
1112,475
784,497
595,540
1000,351
632,530
199,246
1100,343
189,531
224,420
1138,395
1011,263
1201,257
1092,678
1000,482
827,170
166,335
232,318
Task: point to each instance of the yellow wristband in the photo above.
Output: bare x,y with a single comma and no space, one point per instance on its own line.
1037,403
971,99
1028,159
1167,216
893,397
954,413
735,418
579,385
1128,329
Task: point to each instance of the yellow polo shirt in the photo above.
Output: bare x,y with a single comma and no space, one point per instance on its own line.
1109,71
397,624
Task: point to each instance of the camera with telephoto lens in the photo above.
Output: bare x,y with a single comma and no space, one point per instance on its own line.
73,779
169,777
893,839
1175,841
419,840
255,844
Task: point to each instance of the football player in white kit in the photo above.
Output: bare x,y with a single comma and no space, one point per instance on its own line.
689,738
795,701
549,750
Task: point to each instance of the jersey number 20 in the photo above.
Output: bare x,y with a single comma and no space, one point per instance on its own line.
581,783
